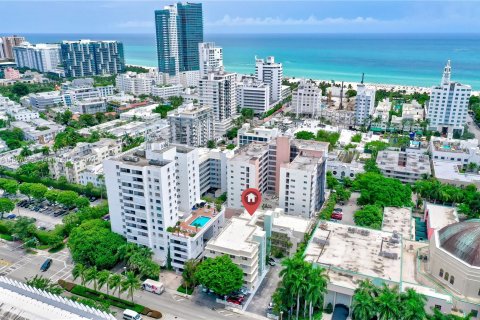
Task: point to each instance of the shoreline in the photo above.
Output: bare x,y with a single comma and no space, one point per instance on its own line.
385,86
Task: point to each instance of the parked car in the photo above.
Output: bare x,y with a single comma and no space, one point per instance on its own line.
236,300
337,215
46,265
271,263
338,210
11,216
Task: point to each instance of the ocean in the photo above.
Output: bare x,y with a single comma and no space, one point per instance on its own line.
405,59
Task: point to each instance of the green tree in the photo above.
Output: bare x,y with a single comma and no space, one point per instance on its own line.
44,284
211,144
82,202
9,186
52,195
413,305
370,216
305,135
80,271
363,305
20,89
220,275
115,283
189,278
24,228
131,283
103,279
6,205
247,113
93,244
385,192
67,198
38,190
92,276
387,303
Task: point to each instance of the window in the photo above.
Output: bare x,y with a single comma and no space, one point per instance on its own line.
452,280
441,273
446,276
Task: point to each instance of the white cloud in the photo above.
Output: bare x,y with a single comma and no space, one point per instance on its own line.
136,24
227,20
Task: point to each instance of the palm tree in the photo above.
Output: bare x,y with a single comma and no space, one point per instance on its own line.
363,306
80,271
131,283
126,251
317,286
114,282
387,303
188,275
92,276
103,278
413,305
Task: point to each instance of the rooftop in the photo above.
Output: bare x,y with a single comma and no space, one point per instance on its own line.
303,162
251,151
445,170
403,161
398,220
236,236
440,216
353,253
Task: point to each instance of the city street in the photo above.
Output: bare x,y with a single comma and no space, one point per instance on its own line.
16,264
472,127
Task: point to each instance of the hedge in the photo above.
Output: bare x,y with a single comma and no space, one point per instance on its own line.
6,237
101,297
181,289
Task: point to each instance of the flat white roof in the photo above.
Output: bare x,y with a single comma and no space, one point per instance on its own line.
449,171
440,216
398,220
351,253
236,236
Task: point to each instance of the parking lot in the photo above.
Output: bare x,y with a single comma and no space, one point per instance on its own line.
263,296
349,208
17,264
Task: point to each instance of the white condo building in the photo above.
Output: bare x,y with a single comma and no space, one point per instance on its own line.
210,58
218,90
42,56
364,103
307,99
147,190
140,83
253,94
270,72
448,105
191,125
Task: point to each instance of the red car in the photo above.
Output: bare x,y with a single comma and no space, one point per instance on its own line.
236,300
337,215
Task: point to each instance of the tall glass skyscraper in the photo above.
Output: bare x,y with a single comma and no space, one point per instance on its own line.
179,29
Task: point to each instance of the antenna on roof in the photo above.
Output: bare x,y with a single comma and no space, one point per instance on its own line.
363,77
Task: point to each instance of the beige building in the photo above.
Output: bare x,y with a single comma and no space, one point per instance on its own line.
70,163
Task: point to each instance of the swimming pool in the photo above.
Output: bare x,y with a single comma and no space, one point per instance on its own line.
200,221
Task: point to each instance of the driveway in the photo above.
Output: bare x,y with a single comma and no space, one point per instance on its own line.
264,293
472,127
349,209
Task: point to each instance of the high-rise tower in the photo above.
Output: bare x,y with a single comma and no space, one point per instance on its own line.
179,30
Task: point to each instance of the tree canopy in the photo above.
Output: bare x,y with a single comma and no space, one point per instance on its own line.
220,275
385,192
370,216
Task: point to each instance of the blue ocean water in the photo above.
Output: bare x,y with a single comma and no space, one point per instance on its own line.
405,59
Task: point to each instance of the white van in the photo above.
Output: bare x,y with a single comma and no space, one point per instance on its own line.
131,315
153,286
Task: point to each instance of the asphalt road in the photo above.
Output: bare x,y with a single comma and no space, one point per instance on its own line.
16,264
349,209
472,127
264,293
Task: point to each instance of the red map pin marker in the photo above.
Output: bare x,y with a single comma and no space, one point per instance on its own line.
251,199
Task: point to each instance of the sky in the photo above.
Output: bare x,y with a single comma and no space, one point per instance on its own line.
247,16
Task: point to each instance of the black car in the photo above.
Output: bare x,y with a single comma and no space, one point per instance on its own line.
46,265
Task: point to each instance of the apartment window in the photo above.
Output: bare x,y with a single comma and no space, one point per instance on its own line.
441,273
447,275
452,280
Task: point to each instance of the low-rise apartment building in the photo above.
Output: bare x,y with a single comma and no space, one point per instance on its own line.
38,130
71,163
405,166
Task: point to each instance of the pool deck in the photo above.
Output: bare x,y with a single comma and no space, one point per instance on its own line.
185,226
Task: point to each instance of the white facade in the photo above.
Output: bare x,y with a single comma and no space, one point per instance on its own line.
42,56
246,134
71,163
189,78
167,91
448,105
73,94
307,99
140,83
43,100
210,58
245,243
270,72
218,90
191,125
254,95
405,166
92,174
460,152
20,113
364,103
213,170
38,130
147,189
90,106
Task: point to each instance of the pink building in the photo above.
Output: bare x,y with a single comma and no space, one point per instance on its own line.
11,74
